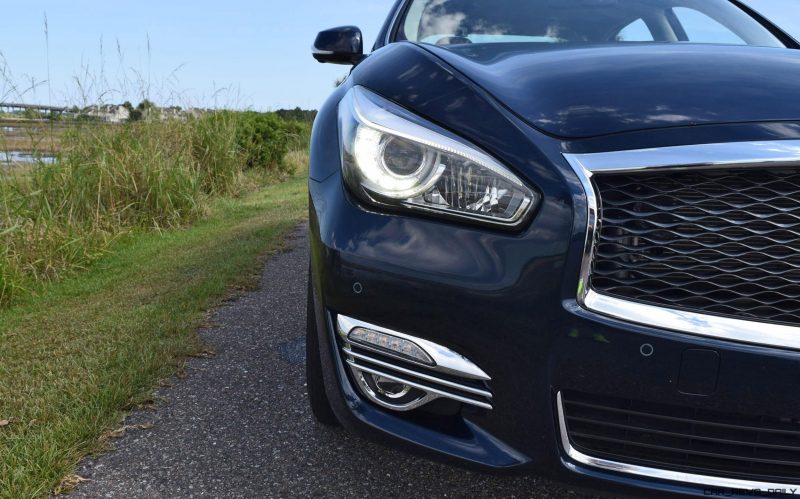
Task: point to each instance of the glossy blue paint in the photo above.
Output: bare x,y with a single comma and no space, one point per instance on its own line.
325,156
506,300
585,92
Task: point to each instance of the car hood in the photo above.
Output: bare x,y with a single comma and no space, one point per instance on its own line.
591,91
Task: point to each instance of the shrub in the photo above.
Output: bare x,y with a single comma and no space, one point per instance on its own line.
263,140
298,135
148,174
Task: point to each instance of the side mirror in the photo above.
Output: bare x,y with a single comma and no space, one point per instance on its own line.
343,45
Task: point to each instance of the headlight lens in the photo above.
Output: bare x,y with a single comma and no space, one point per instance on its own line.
391,156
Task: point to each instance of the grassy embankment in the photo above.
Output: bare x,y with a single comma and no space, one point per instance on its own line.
109,261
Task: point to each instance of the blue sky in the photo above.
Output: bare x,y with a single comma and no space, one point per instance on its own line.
785,13
259,49
242,53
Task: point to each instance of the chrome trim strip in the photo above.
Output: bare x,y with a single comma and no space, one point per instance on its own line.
425,377
447,361
726,328
385,353
769,153
392,25
655,473
732,155
418,386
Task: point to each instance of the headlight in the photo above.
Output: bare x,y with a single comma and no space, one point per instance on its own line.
393,157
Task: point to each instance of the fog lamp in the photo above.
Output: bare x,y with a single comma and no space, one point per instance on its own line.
390,344
390,388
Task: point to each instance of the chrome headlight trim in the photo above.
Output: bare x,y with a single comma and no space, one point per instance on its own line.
445,360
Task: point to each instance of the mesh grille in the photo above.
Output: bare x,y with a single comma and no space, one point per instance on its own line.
722,242
683,438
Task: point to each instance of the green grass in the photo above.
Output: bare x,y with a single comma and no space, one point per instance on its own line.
77,353
57,219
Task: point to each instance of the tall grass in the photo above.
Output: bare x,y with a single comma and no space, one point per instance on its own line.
108,180
56,219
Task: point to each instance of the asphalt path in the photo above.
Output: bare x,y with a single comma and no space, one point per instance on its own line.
238,423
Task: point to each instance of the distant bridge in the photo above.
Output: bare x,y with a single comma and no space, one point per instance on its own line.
15,111
15,106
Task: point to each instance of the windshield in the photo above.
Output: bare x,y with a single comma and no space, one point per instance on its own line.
456,22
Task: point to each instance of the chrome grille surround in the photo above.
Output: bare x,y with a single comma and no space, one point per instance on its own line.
731,156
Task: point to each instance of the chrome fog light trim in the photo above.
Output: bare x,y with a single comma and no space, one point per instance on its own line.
424,377
402,372
444,360
393,404
432,393
391,388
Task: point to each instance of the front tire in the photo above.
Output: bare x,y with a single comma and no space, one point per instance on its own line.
315,381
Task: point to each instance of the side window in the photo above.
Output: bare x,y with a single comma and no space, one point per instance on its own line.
637,31
700,28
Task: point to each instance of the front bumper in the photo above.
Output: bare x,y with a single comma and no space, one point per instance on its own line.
508,302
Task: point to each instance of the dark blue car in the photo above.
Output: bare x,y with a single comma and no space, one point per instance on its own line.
563,237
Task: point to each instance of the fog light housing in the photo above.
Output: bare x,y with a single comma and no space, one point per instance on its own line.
390,392
389,388
402,372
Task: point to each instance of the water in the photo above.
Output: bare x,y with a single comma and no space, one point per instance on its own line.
16,157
